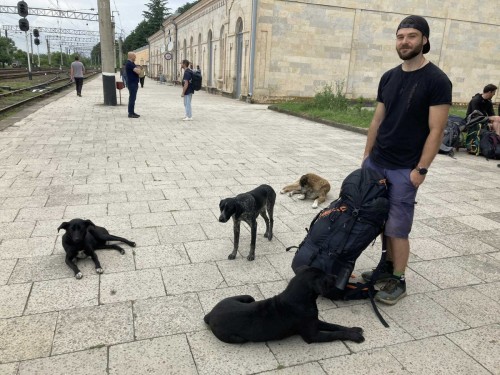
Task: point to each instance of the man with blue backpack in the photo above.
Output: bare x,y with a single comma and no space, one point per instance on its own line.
405,134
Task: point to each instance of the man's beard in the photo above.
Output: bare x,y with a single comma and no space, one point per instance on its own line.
412,53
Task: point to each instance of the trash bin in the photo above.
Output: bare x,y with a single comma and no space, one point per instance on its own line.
119,86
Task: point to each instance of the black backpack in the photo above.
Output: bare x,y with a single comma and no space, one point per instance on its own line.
451,137
196,79
476,123
339,233
489,145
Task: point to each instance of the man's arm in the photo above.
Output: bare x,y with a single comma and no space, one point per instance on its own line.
377,119
71,73
185,87
438,117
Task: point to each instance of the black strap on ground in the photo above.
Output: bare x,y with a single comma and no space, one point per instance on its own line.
371,283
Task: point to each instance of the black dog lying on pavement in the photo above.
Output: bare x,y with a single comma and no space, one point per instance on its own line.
84,236
240,319
247,207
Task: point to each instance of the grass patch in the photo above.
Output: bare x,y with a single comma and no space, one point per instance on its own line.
332,105
350,116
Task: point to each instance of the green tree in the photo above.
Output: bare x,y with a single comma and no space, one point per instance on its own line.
7,48
153,19
156,13
187,6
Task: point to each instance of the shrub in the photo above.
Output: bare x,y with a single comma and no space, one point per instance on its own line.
330,98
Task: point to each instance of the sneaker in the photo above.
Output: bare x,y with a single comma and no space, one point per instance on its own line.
133,116
392,292
187,119
384,274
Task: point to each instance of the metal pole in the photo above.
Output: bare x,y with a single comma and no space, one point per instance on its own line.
60,49
107,52
120,52
28,54
31,39
48,51
38,53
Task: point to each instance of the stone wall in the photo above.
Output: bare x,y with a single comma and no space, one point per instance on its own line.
304,44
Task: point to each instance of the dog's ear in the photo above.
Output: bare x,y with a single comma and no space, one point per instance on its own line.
64,226
89,223
222,204
303,181
327,284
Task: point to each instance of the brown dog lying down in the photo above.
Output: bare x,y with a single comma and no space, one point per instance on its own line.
310,186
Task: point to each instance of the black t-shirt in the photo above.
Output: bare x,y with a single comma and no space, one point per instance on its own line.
407,97
478,103
188,76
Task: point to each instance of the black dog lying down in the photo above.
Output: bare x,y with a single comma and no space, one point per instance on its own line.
84,236
240,319
247,207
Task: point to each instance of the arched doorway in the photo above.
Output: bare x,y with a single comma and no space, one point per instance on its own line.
239,57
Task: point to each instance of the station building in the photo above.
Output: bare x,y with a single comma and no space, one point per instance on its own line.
277,49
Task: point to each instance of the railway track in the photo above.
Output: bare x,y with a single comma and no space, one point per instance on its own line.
17,98
22,73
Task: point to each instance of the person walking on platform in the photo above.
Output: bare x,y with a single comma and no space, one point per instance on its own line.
77,71
142,75
132,72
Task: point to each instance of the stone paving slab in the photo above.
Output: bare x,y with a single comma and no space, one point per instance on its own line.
158,181
89,362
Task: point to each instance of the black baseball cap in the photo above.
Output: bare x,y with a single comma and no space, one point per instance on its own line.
419,23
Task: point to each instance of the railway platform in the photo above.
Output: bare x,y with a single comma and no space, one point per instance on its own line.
158,180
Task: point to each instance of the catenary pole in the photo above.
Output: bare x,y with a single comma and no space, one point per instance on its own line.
107,52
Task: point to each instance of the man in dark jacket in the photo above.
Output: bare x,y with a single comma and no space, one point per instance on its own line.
132,71
482,102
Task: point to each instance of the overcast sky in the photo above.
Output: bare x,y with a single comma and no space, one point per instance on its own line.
130,15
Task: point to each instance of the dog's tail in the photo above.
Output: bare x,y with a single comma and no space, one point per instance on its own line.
207,318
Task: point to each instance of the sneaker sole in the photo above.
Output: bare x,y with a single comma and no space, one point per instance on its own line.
391,301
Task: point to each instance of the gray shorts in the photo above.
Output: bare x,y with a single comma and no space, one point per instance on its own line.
402,196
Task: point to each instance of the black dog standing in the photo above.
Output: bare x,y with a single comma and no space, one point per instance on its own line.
84,235
247,207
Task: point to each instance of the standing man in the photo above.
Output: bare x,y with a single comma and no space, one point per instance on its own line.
413,102
187,90
132,73
77,71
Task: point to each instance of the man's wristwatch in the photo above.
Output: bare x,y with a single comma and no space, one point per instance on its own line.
421,170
